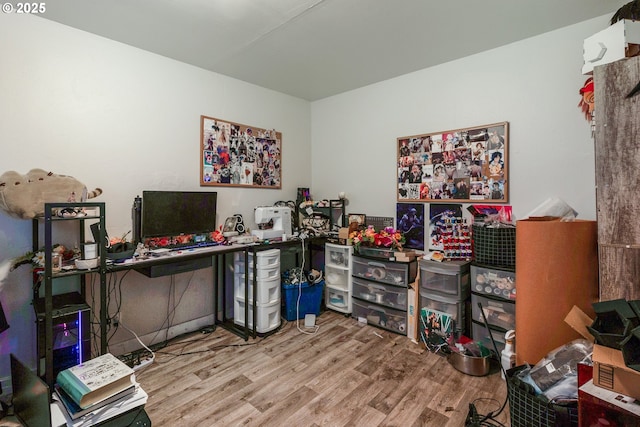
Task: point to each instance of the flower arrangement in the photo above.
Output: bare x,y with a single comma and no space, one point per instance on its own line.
388,237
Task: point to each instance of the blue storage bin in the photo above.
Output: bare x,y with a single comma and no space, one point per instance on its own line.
310,299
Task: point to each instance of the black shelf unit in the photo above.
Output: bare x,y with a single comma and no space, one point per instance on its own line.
65,306
335,211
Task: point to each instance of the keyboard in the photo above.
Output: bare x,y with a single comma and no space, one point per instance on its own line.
194,246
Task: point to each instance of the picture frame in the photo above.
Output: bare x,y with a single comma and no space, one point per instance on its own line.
237,155
360,219
460,165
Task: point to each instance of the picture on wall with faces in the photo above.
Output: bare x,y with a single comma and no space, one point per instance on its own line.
234,154
410,221
458,164
442,217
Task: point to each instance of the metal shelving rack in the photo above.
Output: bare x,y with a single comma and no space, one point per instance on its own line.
48,276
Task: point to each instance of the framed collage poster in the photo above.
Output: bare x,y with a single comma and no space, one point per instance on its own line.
238,155
465,165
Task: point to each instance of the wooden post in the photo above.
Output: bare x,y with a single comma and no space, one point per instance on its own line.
617,158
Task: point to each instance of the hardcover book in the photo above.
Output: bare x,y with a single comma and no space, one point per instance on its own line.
75,411
95,380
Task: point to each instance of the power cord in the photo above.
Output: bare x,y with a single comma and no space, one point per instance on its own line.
145,363
473,418
303,236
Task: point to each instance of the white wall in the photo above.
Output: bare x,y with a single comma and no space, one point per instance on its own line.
532,84
125,120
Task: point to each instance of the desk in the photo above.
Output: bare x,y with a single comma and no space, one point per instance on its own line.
217,257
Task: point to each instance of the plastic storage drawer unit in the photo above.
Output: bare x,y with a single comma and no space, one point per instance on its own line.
337,277
380,293
400,274
493,281
451,307
384,317
480,334
450,279
337,299
268,289
337,255
265,258
267,316
499,312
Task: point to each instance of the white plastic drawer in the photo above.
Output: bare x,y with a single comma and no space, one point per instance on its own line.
265,258
493,281
338,277
384,317
500,313
262,273
381,271
380,293
451,307
268,290
337,299
480,334
267,315
337,255
447,279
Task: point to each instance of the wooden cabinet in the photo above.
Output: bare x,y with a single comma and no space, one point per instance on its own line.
556,268
617,178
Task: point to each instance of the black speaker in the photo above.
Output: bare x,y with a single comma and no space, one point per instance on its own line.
136,219
239,223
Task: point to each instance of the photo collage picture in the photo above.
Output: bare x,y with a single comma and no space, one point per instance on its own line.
238,155
463,165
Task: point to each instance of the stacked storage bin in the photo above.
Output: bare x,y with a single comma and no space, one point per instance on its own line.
267,290
493,282
380,290
445,288
337,275
495,289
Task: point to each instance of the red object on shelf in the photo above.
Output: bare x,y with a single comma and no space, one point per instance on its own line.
595,412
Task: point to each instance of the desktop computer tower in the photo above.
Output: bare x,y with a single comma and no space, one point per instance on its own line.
71,331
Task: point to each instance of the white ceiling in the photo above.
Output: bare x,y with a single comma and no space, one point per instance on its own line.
312,49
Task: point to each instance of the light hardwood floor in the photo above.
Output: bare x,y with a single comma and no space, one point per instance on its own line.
347,374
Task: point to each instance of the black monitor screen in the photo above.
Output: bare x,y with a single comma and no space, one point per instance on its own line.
30,396
172,213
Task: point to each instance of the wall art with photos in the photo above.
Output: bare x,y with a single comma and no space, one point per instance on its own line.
465,165
238,155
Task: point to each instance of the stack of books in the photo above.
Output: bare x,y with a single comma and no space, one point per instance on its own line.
98,390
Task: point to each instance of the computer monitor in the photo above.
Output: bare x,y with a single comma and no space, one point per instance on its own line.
30,399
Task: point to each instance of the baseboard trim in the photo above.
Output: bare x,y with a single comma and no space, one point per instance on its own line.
128,346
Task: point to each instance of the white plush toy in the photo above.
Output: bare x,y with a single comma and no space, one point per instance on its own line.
24,196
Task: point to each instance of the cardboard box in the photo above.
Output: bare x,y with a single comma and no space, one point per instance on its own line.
413,309
405,256
343,233
611,373
609,370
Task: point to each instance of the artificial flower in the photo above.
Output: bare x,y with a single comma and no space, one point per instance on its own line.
388,237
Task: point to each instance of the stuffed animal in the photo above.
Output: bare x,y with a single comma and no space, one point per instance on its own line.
24,196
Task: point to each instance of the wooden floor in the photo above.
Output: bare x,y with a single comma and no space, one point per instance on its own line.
347,374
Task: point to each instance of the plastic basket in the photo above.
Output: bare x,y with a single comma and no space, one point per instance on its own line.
310,299
495,246
529,410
